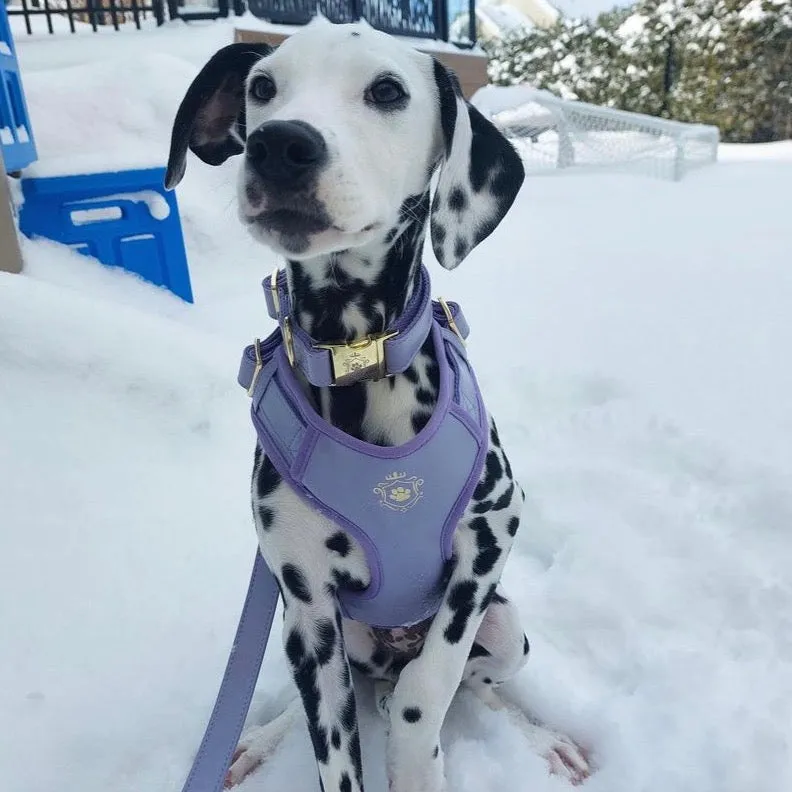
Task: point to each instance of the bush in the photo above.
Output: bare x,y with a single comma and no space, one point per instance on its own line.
723,62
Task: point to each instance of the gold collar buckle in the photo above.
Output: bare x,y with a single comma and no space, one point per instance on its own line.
359,360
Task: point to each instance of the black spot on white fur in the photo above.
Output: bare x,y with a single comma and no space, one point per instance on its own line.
339,543
488,597
295,648
345,581
461,601
487,543
349,713
325,641
514,524
412,714
265,517
457,200
295,582
267,479
493,471
505,499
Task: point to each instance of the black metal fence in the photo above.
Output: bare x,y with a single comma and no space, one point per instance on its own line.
97,13
431,19
418,18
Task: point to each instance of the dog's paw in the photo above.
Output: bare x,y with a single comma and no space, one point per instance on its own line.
564,757
258,743
243,763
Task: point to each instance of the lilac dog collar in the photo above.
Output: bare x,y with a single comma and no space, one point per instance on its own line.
373,357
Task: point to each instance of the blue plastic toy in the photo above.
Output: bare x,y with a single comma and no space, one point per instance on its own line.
16,132
125,219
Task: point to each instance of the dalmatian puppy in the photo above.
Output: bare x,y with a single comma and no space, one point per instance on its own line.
341,129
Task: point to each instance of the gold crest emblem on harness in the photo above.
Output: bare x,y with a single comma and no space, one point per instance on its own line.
399,491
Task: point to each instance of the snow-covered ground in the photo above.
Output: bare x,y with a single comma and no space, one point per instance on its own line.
632,337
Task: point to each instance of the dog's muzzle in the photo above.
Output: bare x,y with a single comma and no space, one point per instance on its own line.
284,161
286,154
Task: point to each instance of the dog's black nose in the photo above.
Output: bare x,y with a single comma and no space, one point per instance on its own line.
286,153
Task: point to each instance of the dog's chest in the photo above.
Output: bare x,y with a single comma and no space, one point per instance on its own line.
389,412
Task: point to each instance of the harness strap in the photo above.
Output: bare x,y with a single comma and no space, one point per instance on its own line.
236,690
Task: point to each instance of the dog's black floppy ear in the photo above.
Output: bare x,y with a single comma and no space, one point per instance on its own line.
211,118
480,175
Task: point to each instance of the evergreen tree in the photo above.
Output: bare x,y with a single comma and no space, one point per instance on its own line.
724,62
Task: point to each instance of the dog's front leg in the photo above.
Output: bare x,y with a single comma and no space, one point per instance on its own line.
428,683
313,639
310,559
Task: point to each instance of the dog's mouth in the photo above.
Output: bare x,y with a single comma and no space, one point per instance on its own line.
292,222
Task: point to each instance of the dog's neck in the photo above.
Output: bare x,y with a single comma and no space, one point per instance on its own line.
342,296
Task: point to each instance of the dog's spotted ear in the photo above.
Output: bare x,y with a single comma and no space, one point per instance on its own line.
480,175
211,118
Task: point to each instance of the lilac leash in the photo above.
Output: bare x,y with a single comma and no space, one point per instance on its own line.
236,690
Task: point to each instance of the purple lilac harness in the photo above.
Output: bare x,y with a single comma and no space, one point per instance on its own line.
401,504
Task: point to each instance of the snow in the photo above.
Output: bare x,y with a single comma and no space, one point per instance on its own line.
492,100
508,21
547,8
638,368
752,12
633,26
155,203
588,8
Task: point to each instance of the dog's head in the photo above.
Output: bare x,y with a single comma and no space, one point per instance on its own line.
339,126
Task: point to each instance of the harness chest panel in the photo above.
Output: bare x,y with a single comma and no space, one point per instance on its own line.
402,503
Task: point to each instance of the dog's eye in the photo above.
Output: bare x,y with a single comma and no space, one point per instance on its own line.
386,91
262,88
